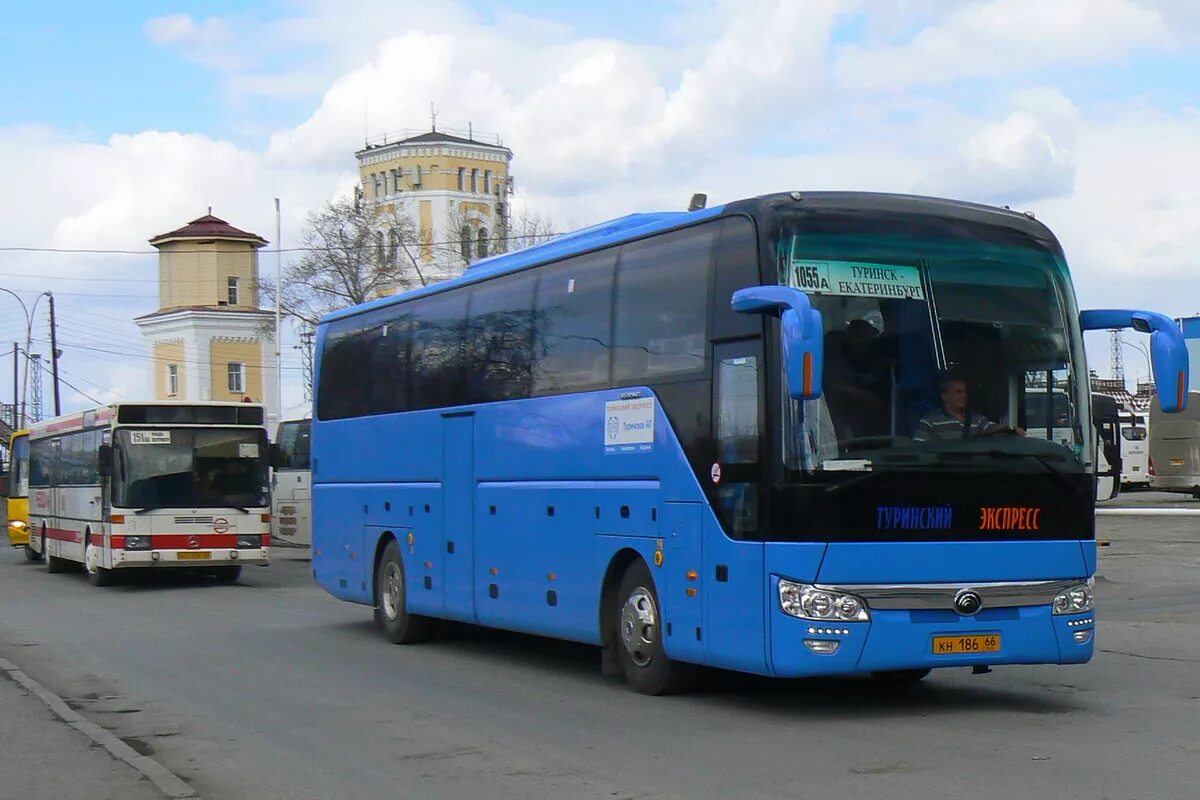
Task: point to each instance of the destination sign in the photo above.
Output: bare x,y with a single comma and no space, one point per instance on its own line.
855,279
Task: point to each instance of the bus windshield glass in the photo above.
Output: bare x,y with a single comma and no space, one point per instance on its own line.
19,478
293,438
929,323
190,468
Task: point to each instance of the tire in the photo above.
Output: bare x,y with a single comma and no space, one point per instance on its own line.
638,637
54,565
97,575
391,604
900,677
31,554
227,574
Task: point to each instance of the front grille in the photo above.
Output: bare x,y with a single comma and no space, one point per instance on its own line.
193,520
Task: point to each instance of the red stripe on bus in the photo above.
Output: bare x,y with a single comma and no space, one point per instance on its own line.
184,541
64,535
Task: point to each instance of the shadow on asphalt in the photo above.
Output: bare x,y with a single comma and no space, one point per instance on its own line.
849,696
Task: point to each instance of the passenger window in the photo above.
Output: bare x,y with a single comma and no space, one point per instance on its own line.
572,322
737,268
436,356
500,340
662,333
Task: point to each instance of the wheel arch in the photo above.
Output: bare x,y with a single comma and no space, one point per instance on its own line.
606,614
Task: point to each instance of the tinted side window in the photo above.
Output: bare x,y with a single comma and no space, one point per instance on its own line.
388,372
737,268
436,356
661,306
344,392
499,342
573,315
41,455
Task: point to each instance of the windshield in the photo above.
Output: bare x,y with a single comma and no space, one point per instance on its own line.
945,346
294,439
19,479
190,468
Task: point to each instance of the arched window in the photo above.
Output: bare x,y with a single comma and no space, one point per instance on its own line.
465,242
474,181
462,179
393,246
482,248
379,246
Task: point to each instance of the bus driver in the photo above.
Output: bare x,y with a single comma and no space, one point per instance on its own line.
948,422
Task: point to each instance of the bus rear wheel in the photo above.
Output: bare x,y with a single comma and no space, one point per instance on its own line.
227,574
391,604
638,637
53,563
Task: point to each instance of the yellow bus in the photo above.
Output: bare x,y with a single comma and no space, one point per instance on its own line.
18,493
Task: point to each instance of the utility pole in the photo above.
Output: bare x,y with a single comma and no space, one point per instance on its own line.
54,357
16,387
35,388
306,345
1116,356
278,306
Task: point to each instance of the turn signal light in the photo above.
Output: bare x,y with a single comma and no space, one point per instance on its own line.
266,517
117,519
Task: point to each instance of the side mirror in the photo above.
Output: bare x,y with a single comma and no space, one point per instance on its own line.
800,332
277,457
1168,350
104,460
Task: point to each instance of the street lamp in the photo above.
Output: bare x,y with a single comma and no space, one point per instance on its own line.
29,314
1141,348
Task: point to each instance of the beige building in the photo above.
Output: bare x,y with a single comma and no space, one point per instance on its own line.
453,186
209,340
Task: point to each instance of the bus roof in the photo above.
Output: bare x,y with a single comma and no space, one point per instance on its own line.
111,411
635,226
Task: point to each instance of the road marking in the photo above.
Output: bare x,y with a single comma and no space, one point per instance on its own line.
167,782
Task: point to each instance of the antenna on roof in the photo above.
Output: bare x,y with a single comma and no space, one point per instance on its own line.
210,211
432,117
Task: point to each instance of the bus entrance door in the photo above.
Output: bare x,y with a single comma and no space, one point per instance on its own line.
458,503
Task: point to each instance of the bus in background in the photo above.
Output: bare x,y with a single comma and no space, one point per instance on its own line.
1135,449
151,485
18,493
687,438
1175,448
291,484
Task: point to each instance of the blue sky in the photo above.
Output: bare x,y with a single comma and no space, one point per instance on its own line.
124,120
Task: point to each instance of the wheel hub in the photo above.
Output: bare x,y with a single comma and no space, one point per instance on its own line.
639,626
393,590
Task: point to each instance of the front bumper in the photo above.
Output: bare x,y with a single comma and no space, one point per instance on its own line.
218,557
902,639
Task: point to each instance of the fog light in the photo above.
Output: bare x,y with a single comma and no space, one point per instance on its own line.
1082,637
822,647
155,556
233,554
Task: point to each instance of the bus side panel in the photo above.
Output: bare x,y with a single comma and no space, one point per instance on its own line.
735,600
337,553
682,592
459,507
412,514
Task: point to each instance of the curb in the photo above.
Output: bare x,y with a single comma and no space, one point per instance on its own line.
167,782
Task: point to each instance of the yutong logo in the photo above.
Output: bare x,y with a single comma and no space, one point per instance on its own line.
967,602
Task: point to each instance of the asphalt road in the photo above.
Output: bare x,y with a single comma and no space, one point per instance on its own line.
270,689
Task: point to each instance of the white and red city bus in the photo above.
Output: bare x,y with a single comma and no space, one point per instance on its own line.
151,485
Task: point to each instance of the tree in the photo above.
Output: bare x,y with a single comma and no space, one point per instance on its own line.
473,239
352,252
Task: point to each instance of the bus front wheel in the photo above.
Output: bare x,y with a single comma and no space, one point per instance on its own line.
31,554
391,605
638,637
96,574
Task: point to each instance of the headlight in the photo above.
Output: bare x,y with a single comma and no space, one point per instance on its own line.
249,541
19,524
811,602
137,542
1075,599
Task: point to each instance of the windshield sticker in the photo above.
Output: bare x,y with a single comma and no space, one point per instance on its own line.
247,450
851,279
1009,518
629,426
149,437
914,518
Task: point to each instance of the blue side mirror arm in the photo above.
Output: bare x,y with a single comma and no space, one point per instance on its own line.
1168,350
800,331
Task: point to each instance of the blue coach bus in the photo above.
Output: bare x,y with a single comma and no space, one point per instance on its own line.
688,438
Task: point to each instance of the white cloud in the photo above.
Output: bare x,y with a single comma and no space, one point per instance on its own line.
1006,37
214,42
